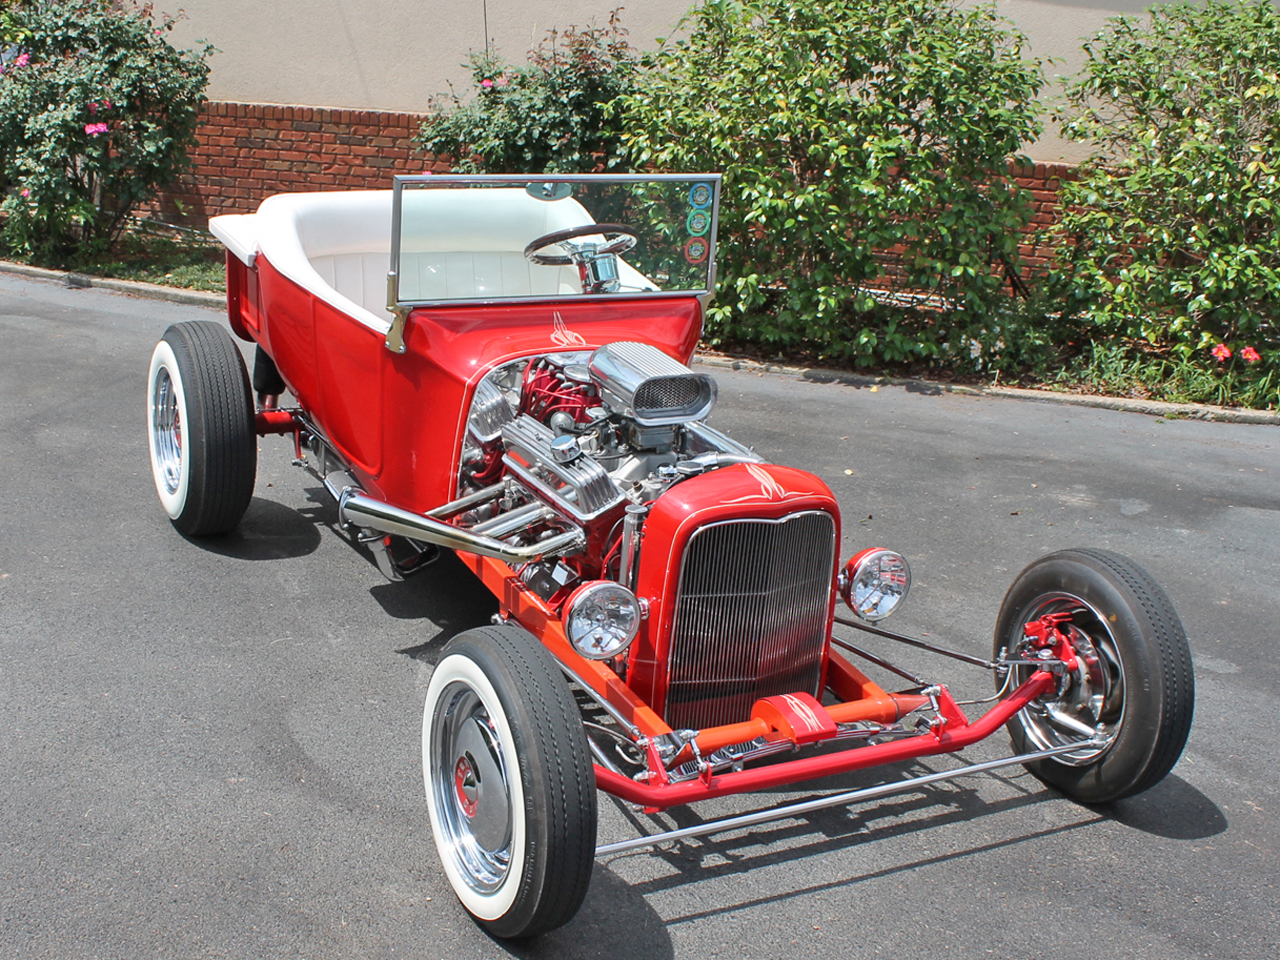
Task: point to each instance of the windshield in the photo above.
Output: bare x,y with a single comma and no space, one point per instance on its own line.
486,238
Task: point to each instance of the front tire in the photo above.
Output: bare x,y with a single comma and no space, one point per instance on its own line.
1134,689
509,782
200,428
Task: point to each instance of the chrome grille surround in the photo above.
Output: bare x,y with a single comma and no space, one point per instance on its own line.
751,616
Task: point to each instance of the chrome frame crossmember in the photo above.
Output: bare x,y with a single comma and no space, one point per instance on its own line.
839,799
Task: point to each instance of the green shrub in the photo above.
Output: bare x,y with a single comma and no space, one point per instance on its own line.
11,37
1117,368
97,111
544,117
1172,236
846,131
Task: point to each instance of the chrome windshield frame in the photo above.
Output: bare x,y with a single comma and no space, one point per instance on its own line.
437,181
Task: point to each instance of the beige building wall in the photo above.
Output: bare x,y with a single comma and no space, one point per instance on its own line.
1055,30
381,54
393,55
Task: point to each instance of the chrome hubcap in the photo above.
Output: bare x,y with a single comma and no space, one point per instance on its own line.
469,779
166,429
1092,705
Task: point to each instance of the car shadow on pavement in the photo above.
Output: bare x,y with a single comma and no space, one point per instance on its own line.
268,531
834,829
615,921
1172,809
447,594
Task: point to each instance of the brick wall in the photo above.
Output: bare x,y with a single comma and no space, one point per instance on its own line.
249,151
1043,180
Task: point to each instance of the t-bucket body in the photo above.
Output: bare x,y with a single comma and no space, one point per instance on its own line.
498,365
308,281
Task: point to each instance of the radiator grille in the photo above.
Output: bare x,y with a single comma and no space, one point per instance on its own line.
751,616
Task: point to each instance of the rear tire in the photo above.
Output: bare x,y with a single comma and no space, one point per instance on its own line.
1136,685
510,787
200,428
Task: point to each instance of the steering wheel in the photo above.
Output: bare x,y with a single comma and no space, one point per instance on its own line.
625,239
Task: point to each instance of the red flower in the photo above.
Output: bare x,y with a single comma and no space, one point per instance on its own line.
1222,353
1250,355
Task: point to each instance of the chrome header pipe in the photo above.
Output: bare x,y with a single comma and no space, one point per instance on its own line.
356,509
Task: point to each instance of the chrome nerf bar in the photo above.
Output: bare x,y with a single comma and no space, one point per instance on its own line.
836,800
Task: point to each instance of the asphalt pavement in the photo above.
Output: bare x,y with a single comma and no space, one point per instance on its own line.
212,749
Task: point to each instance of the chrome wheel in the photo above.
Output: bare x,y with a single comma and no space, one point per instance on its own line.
166,431
1091,707
1129,701
472,794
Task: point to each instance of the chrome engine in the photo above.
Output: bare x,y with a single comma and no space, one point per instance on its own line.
587,433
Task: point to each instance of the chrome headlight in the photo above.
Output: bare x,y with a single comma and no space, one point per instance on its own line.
601,619
875,582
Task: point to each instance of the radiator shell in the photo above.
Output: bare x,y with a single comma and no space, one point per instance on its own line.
745,492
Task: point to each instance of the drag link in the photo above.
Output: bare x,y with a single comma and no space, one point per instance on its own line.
839,799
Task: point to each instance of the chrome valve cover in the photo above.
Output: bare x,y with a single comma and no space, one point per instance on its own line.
580,487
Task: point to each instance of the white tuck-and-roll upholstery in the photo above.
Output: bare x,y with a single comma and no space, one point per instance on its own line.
455,244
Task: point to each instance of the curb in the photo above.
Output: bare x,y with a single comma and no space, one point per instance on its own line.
135,288
1155,408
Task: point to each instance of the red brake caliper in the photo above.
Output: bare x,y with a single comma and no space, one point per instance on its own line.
1047,634
464,779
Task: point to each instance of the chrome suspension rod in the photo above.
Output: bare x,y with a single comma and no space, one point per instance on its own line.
913,642
839,799
878,661
604,704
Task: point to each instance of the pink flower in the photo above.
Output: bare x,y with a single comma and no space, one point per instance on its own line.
1221,353
486,83
93,109
1250,355
26,192
94,129
502,80
22,60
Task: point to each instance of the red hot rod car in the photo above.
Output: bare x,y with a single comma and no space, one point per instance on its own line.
497,366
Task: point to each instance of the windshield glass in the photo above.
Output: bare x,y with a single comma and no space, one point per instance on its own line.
485,238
